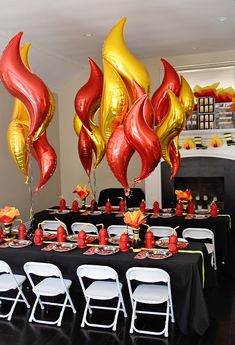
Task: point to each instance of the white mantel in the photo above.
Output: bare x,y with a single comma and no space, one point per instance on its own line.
153,182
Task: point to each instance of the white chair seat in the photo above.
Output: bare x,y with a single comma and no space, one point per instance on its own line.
7,283
209,247
52,284
103,285
51,287
150,294
102,290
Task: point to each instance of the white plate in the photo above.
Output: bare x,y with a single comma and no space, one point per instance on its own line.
94,213
106,250
163,242
19,243
64,247
72,238
114,239
63,211
166,215
167,210
158,254
200,216
133,209
202,211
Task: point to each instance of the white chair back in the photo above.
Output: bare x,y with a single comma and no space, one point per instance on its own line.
119,229
9,282
52,284
105,286
162,231
52,226
202,234
152,293
87,227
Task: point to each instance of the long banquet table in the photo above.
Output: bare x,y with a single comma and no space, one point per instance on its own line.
185,269
224,236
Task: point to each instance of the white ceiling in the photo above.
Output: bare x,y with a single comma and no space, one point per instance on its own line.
56,30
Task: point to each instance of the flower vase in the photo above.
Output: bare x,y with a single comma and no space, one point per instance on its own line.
185,206
136,247
83,207
8,236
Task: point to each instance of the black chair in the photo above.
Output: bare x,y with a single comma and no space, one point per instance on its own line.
113,194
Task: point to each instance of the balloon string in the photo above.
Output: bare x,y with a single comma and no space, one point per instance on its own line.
94,180
31,210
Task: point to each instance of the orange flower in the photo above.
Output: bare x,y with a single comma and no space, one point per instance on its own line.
82,191
183,195
8,214
134,219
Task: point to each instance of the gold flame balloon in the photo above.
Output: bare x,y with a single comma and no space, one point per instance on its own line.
186,97
18,128
117,54
114,103
171,125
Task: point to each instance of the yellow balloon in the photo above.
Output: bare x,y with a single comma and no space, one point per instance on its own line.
116,53
186,97
17,133
48,118
77,124
171,125
114,102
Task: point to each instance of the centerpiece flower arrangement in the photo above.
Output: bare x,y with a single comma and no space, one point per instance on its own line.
184,197
82,192
7,216
134,220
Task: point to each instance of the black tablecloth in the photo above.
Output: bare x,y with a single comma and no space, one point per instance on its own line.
185,270
224,240
134,198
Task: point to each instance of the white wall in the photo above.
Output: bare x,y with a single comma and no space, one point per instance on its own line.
13,189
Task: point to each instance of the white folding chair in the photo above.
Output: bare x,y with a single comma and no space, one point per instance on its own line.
162,231
51,285
10,281
101,289
52,226
87,227
202,234
119,229
156,291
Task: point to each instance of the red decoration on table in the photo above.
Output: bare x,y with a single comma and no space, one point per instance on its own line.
1,234
108,207
75,206
172,245
103,235
38,237
22,232
122,205
191,208
149,239
124,244
214,210
82,239
62,204
179,210
142,206
93,205
61,235
156,207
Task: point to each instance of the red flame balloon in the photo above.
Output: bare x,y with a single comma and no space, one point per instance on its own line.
85,151
24,84
160,100
46,157
142,138
175,160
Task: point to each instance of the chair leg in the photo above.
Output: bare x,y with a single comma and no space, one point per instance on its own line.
116,315
24,298
62,311
167,319
133,316
85,312
71,303
123,306
31,318
13,306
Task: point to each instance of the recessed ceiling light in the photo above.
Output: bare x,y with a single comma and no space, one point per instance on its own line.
194,48
88,34
221,19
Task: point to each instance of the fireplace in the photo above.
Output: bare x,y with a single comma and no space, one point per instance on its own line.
206,177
